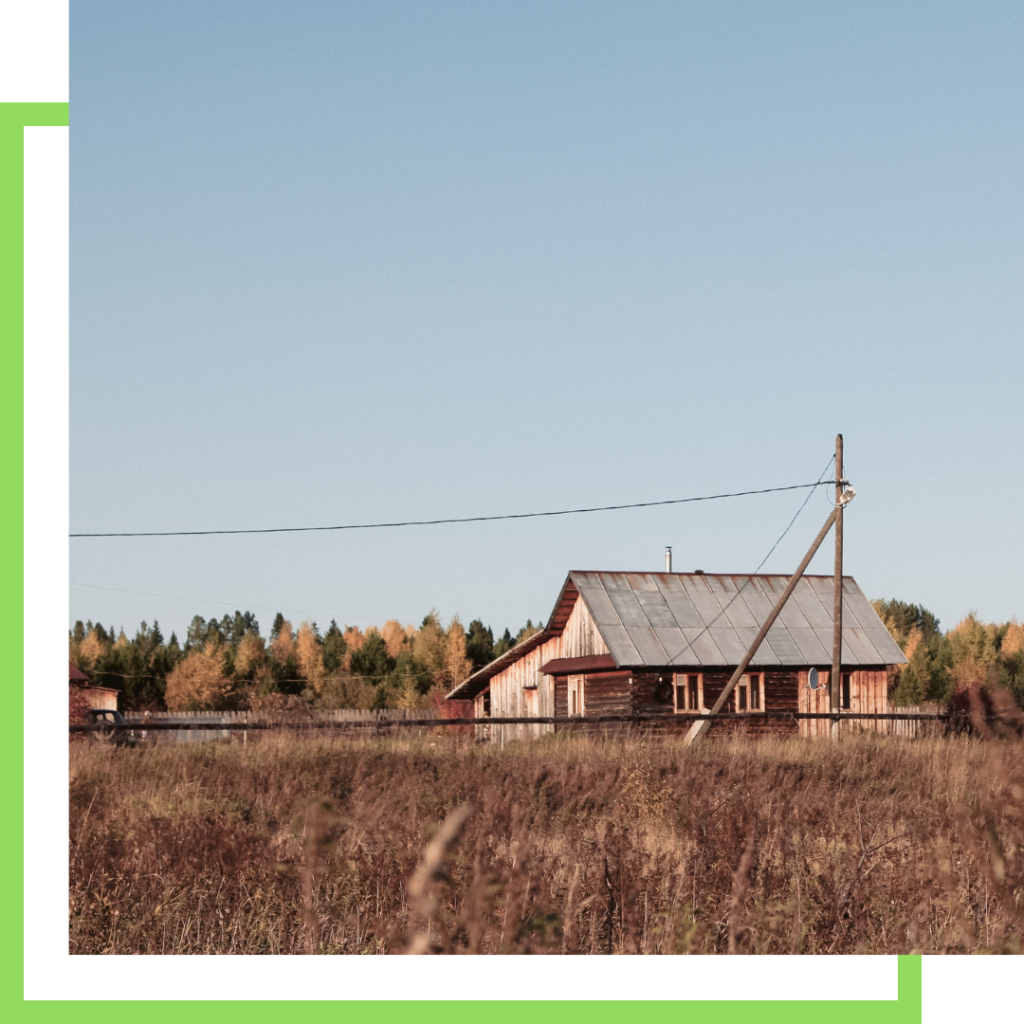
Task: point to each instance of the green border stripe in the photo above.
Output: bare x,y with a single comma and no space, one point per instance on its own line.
14,118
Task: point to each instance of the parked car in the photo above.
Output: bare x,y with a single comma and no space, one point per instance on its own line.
108,734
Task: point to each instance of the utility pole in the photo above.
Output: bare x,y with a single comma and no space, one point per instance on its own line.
836,680
702,725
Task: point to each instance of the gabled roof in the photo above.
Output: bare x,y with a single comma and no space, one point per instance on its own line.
75,674
697,620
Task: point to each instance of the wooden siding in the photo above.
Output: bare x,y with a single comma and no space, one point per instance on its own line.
511,686
521,690
780,692
644,700
607,694
101,697
482,709
869,694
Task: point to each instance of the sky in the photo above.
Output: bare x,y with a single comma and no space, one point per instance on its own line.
339,263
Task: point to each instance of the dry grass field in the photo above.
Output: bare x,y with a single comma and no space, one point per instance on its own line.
572,844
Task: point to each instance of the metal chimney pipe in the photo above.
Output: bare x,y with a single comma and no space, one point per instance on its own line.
668,559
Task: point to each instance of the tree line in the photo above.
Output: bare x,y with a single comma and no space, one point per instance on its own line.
971,654
228,664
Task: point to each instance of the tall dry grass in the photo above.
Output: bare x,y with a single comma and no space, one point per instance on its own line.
572,844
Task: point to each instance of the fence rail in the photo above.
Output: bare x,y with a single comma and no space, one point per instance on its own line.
165,721
233,717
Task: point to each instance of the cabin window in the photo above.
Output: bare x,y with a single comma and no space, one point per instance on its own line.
846,691
749,692
575,694
687,692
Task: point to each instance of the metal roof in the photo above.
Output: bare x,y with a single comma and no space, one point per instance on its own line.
699,619
694,620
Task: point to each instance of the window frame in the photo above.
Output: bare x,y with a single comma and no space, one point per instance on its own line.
681,680
748,679
575,685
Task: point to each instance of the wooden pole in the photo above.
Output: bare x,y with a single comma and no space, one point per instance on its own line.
836,680
701,726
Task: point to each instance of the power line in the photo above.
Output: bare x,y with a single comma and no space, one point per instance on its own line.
209,600
466,519
739,589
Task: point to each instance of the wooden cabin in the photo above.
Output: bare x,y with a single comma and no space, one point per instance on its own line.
664,643
94,696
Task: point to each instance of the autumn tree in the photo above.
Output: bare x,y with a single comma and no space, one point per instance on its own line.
457,665
973,650
309,653
91,648
284,659
430,647
408,696
78,707
354,638
1011,650
396,637
345,691
250,656
198,683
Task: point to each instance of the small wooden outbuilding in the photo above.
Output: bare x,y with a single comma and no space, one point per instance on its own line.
101,697
664,643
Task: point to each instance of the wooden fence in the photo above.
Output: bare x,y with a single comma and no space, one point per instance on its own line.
207,726
195,727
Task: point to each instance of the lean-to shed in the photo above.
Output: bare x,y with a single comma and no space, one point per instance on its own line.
663,643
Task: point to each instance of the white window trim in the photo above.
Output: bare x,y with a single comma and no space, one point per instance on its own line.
679,679
746,680
576,683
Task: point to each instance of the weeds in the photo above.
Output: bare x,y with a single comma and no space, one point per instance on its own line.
571,844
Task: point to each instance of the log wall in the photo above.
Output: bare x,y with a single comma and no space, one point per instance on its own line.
523,690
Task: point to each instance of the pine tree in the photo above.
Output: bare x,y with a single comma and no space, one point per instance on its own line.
916,676
506,643
196,635
334,649
479,644
371,660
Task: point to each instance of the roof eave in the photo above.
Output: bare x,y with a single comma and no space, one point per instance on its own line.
477,682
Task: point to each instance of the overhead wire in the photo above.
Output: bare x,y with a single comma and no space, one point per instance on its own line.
463,519
207,600
746,583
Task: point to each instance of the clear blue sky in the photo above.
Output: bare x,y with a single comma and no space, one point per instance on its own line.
354,262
